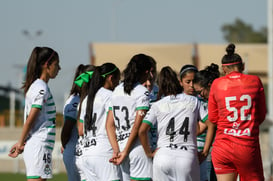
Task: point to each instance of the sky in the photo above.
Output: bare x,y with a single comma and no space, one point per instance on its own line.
68,26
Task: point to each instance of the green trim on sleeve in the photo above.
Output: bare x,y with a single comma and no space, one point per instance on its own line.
81,121
36,106
134,178
70,118
50,98
53,134
205,118
147,122
143,108
33,177
110,109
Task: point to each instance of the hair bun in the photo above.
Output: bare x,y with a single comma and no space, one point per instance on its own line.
230,49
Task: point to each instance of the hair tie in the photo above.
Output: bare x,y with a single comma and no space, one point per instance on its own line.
84,77
104,75
226,64
188,68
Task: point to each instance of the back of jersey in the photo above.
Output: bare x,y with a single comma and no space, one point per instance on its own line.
177,118
124,107
237,106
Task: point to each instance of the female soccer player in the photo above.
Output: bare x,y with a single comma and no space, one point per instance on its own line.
187,74
201,83
129,103
97,149
237,107
176,115
38,135
69,133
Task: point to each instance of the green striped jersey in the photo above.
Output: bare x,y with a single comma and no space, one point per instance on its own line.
39,96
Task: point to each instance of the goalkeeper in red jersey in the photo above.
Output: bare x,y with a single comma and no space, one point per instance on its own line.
237,108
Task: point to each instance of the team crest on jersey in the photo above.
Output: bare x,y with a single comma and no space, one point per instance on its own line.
47,169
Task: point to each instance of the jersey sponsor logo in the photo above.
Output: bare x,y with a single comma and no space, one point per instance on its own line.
91,142
147,93
40,96
175,146
75,104
121,137
237,132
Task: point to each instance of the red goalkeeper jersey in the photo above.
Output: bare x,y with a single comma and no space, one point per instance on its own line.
237,106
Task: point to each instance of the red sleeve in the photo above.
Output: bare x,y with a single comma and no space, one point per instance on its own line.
212,104
261,105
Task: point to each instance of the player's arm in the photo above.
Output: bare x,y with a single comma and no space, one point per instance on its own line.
201,127
69,123
143,137
209,137
19,146
111,132
140,114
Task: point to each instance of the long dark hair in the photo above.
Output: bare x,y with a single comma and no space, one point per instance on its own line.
206,76
232,59
135,71
38,57
97,81
85,88
168,82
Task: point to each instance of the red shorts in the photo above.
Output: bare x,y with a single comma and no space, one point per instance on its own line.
230,157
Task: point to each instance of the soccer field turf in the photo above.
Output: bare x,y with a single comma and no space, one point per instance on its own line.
19,177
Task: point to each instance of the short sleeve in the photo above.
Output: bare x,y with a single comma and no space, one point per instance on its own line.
150,117
70,112
39,97
143,101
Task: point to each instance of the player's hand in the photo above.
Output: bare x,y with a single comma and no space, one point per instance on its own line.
62,150
119,159
12,152
114,157
15,150
202,156
152,154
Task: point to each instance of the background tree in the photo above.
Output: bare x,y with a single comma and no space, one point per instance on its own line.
240,32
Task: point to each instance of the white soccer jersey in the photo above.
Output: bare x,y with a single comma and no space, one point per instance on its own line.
39,96
70,113
124,108
96,139
176,118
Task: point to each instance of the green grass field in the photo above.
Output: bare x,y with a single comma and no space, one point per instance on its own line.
20,177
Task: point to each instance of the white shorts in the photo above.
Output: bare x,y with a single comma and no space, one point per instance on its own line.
38,159
175,165
72,171
98,168
137,166
80,167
